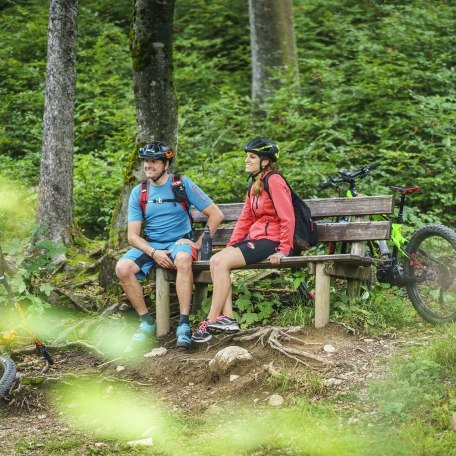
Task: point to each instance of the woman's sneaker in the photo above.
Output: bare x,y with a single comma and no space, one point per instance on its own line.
202,335
223,324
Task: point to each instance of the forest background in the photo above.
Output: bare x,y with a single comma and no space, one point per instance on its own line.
377,83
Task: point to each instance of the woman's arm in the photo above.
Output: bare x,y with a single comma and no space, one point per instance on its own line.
245,221
281,197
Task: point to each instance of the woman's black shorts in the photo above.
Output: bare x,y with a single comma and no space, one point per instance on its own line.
255,251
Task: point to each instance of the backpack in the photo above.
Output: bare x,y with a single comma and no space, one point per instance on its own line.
180,195
305,230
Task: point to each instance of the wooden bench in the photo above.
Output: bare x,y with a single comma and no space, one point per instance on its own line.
354,265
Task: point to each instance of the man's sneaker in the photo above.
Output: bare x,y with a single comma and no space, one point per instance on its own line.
184,336
202,335
223,324
146,333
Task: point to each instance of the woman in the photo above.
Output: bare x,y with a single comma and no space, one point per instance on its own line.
264,230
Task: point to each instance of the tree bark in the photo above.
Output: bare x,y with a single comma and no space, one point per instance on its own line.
55,199
273,45
155,98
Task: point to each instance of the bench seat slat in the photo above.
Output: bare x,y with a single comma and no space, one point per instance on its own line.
293,261
322,207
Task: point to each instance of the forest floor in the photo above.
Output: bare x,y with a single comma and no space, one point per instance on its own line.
334,365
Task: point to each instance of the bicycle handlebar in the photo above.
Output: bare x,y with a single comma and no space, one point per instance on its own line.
349,177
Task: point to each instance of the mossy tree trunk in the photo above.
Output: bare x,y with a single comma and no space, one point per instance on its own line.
155,98
55,196
273,46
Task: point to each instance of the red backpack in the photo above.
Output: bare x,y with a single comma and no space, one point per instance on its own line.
180,195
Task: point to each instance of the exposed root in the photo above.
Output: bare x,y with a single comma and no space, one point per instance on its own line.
73,301
74,344
271,336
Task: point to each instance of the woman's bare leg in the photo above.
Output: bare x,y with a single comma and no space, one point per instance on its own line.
221,265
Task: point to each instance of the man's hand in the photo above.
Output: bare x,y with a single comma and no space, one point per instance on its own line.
276,258
195,245
162,259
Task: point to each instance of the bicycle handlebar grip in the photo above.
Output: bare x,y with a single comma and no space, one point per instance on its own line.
325,185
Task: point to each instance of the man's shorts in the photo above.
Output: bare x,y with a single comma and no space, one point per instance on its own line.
255,251
145,262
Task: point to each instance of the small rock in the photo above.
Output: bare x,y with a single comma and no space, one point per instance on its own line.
100,444
233,377
276,400
329,348
147,442
228,357
120,368
368,340
41,417
160,351
191,384
453,422
332,381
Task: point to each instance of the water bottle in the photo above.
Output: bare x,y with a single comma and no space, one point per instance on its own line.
206,245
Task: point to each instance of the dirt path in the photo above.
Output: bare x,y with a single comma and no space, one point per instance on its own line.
183,382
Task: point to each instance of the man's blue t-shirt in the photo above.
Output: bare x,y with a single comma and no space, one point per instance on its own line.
166,221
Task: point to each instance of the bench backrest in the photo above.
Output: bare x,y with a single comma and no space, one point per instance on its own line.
360,207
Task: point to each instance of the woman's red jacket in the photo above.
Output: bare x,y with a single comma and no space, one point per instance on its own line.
263,219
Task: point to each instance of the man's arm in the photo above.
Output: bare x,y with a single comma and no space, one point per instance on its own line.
214,218
135,240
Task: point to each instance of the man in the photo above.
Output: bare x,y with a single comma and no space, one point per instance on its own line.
167,239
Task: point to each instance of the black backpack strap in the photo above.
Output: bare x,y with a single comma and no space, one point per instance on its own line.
177,184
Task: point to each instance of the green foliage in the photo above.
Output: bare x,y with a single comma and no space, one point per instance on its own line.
418,396
26,271
17,210
380,310
376,83
253,307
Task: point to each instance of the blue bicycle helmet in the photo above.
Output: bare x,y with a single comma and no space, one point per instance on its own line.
157,150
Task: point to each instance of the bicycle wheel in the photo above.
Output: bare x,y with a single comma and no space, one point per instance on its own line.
7,374
431,273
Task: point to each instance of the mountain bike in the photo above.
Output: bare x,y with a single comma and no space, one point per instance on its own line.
425,265
7,339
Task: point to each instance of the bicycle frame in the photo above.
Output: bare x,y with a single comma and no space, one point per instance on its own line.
7,338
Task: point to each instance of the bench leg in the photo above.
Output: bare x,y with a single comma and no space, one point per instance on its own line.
199,296
354,285
322,282
162,301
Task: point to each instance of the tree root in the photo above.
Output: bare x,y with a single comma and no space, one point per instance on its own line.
74,344
73,301
271,336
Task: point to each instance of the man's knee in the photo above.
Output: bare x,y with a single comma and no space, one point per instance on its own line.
124,269
183,262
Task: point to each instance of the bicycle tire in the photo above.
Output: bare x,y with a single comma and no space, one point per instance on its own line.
8,374
430,277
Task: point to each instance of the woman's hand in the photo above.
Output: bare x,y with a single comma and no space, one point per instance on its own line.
195,245
276,258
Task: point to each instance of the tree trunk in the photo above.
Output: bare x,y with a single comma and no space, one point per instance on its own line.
273,46
155,98
55,199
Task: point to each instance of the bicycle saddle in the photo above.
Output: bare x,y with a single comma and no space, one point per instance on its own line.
405,190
